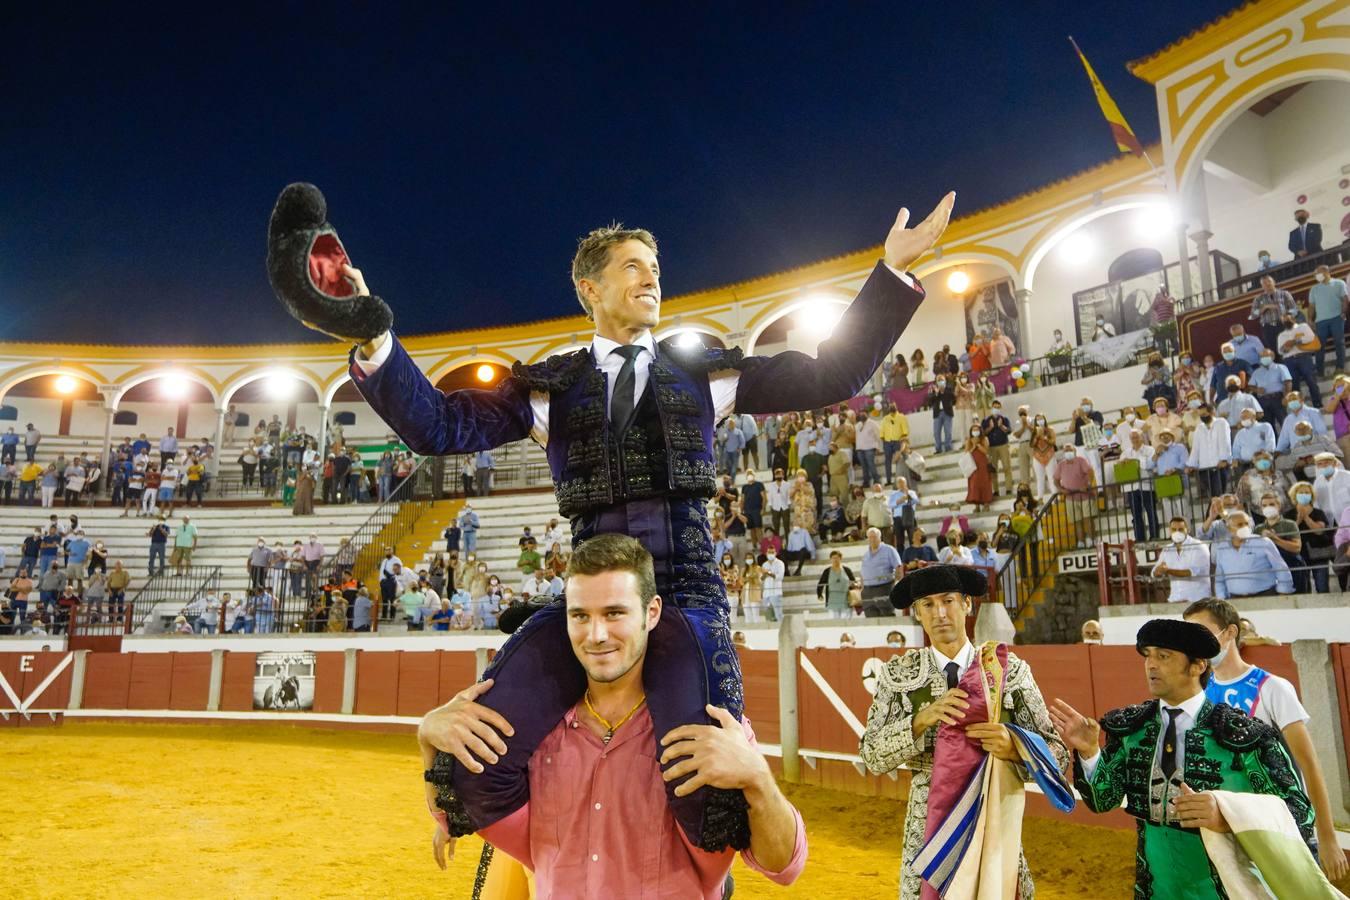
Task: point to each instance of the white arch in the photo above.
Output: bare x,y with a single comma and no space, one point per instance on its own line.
461,362
1047,243
143,377
1239,106
825,296
956,260
18,377
233,387
326,396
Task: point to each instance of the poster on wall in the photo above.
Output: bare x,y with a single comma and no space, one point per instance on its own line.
284,680
990,306
1136,301
1101,301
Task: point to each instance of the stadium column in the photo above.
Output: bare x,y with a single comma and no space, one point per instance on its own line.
219,441
104,460
323,429
1024,315
1184,252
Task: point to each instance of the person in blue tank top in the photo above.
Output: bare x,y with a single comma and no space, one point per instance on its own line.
1272,699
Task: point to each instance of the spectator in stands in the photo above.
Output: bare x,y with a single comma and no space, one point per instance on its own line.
1211,452
1157,380
1341,561
412,600
95,594
910,463
982,556
996,429
1139,490
1246,565
780,502
846,641
1233,365
975,465
304,493
468,527
361,610
1338,407
1086,426
903,505
964,405
752,506
1286,537
1273,700
1329,302
1023,428
259,558
917,553
1332,487
942,402
184,543
868,442
1314,527
1090,632
1102,330
159,539
168,448
1043,449
1235,401
1269,309
880,568
1251,437
799,548
1001,348
774,570
955,553
1075,478
1297,343
482,473
181,626
751,577
876,511
834,585
48,546
1247,347
264,611
1259,480
9,445
803,498
839,467
1298,413
1306,237
894,429
833,523
1186,562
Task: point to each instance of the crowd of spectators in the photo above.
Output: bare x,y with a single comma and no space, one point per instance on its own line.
61,572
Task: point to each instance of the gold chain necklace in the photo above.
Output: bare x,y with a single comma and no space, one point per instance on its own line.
610,729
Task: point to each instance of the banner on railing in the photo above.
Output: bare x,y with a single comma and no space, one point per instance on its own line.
1084,562
283,680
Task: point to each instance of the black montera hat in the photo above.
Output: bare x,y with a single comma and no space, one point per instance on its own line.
943,579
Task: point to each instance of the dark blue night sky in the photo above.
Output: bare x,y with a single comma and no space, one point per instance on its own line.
464,151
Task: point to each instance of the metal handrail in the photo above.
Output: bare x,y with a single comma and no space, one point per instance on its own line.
1251,283
167,587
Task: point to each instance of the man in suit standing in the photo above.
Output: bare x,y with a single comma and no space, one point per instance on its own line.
1306,239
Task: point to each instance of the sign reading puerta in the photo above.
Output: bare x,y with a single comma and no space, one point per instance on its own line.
284,681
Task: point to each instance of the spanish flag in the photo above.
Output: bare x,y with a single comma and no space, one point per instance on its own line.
1126,142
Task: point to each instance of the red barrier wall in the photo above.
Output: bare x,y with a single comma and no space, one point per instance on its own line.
236,681
106,680
191,686
759,673
328,673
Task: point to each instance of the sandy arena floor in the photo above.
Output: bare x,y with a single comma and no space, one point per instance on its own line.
160,811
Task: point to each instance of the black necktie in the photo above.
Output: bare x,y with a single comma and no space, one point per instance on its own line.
1168,763
622,405
951,669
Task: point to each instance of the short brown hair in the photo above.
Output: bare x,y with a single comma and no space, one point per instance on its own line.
616,553
593,253
1221,611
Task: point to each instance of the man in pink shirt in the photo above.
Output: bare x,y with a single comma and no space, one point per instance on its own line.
1001,349
597,823
1075,478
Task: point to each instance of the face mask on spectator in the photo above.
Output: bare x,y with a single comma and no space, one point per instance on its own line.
1295,405
1101,321
1108,431
1185,360
1067,455
1130,417
1246,423
1310,471
1320,277
1228,355
974,432
1264,257
942,382
1193,404
771,555
1040,420
1239,337
1232,389
1267,360
1161,409
1178,537
1303,499
1270,512
1325,471
1087,407
1244,532
1263,464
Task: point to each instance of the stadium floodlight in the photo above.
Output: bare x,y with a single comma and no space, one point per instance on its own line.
485,373
65,384
1154,222
281,386
958,281
1077,248
819,315
175,387
688,339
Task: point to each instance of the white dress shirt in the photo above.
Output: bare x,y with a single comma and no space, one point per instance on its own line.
1211,444
964,659
1332,494
1185,719
1193,556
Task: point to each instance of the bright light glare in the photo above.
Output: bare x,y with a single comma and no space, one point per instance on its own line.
484,373
688,339
1077,248
65,384
175,387
958,281
1154,222
819,316
280,386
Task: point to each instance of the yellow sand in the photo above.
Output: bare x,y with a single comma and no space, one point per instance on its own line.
159,811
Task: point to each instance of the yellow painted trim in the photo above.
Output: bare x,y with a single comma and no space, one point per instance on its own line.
17,376
1216,74
1314,30
453,361
237,379
1203,131
1210,38
1277,41
128,380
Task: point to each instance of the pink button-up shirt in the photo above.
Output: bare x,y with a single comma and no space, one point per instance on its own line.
598,824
